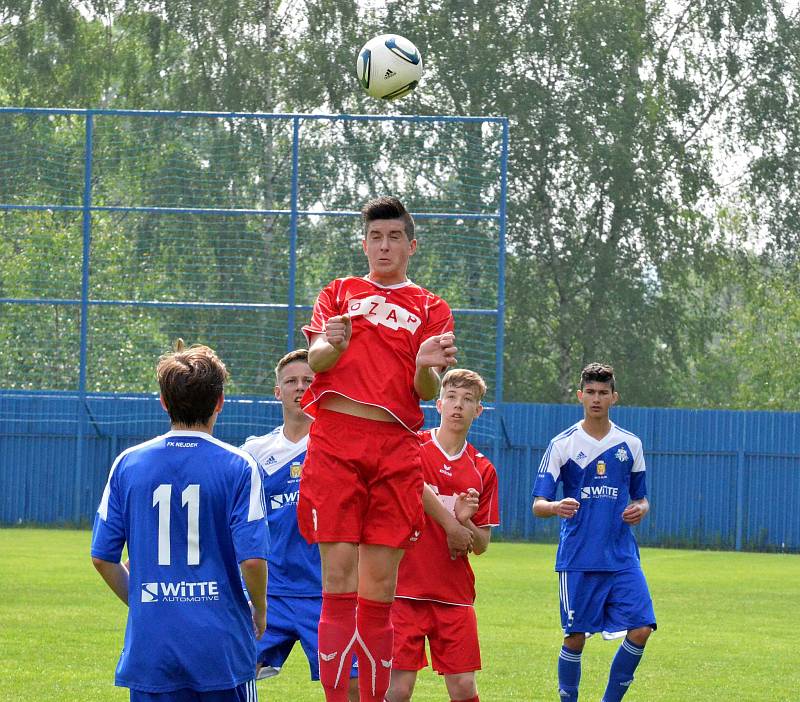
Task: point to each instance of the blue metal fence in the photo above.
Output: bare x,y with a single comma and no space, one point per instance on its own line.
163,179
718,479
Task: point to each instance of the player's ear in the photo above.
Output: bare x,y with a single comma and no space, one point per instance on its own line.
580,395
364,245
479,410
412,247
439,405
163,403
614,397
277,392
220,402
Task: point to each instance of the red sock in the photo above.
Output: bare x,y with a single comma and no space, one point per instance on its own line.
471,699
337,636
375,638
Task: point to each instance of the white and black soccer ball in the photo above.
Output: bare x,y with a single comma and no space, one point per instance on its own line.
389,66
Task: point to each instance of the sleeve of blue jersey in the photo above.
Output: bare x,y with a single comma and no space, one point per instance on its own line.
108,535
544,486
248,521
638,485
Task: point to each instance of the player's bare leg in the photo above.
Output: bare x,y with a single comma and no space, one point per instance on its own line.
402,686
462,687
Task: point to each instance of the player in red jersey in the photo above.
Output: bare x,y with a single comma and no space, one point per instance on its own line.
376,345
435,593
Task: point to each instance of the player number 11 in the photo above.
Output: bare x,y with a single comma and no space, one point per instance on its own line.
191,497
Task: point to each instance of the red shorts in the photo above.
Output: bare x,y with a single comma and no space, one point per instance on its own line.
361,482
451,630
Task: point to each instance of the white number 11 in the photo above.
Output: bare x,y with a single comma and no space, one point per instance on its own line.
191,497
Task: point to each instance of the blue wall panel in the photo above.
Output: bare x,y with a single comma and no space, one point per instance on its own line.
718,479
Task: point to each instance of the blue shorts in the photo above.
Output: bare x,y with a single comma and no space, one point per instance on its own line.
607,602
246,692
292,619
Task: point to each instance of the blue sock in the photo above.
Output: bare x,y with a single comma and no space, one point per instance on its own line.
621,674
569,674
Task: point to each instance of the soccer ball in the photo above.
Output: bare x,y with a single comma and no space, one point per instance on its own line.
389,66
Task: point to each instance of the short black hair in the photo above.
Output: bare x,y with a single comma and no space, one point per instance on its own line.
191,381
387,207
598,373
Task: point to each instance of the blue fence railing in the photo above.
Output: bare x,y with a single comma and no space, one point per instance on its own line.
717,479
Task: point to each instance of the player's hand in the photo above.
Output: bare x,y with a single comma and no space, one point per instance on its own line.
338,331
437,352
566,508
466,505
459,540
634,513
259,620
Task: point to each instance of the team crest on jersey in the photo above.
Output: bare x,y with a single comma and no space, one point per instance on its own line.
295,469
621,454
601,467
376,310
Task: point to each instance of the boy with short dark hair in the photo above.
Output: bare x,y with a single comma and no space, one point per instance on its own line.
376,344
602,587
191,510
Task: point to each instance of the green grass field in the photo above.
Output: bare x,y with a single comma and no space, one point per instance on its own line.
727,627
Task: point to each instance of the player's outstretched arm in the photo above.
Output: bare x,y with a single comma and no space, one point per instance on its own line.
459,537
115,575
566,508
435,354
254,572
636,511
325,348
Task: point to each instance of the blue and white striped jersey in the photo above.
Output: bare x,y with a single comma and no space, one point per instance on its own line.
190,508
294,564
604,476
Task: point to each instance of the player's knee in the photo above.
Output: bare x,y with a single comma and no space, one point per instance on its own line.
461,687
575,642
399,692
639,636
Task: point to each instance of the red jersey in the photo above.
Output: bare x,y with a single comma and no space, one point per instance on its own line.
389,325
427,572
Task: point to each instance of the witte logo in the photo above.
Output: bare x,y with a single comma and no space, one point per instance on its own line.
284,499
599,491
183,591
621,454
149,592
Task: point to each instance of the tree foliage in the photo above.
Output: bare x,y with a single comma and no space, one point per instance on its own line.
624,114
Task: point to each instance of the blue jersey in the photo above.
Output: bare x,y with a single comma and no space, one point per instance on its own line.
294,565
603,476
190,508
